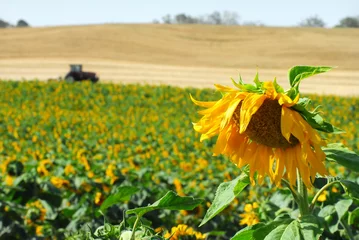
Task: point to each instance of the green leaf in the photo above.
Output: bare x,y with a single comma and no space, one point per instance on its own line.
326,211
124,193
338,153
170,201
354,217
292,231
298,73
351,188
262,232
310,227
314,119
277,233
225,194
342,207
247,232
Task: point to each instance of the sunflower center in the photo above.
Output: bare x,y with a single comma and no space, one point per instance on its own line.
265,125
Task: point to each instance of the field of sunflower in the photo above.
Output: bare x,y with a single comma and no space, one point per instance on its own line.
65,148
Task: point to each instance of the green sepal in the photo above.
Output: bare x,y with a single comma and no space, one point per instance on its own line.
249,87
277,87
313,118
258,83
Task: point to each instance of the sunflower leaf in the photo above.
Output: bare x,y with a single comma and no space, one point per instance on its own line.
354,216
298,73
342,207
272,229
225,194
314,119
336,152
170,201
310,227
351,188
124,193
247,232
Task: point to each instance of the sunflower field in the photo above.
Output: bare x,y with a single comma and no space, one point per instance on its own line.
79,159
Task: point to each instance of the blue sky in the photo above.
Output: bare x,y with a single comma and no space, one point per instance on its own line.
269,12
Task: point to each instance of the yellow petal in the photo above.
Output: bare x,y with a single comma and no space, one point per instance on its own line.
286,100
249,107
222,88
202,104
229,113
286,122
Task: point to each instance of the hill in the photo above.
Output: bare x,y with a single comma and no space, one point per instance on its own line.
180,54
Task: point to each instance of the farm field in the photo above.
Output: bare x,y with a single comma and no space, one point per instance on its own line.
66,147
182,55
79,159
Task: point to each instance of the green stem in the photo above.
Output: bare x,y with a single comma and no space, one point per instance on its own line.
303,196
315,199
134,227
347,229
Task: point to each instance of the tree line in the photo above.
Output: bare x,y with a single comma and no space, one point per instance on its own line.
232,18
20,23
224,18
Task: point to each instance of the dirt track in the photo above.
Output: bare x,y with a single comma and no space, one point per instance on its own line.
338,82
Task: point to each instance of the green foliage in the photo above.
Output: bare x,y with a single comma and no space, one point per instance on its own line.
67,150
123,194
225,194
170,201
298,73
342,155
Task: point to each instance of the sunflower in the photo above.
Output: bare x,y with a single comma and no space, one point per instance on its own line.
266,128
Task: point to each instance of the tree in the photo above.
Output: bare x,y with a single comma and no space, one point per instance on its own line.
313,21
185,19
22,23
4,24
349,22
167,19
230,18
253,24
214,18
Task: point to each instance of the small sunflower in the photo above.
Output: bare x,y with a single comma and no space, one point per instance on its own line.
266,128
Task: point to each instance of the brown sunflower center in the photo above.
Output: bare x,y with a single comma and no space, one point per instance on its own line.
264,127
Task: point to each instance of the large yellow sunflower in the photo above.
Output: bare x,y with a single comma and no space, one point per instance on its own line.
260,126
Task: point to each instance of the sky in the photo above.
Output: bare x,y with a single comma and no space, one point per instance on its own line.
39,13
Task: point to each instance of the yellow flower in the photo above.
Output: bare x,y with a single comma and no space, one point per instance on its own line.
38,231
183,230
69,169
59,182
35,212
178,186
9,180
43,167
260,128
249,216
335,190
323,196
98,198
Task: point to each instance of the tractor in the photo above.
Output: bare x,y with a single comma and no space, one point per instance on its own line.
76,74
